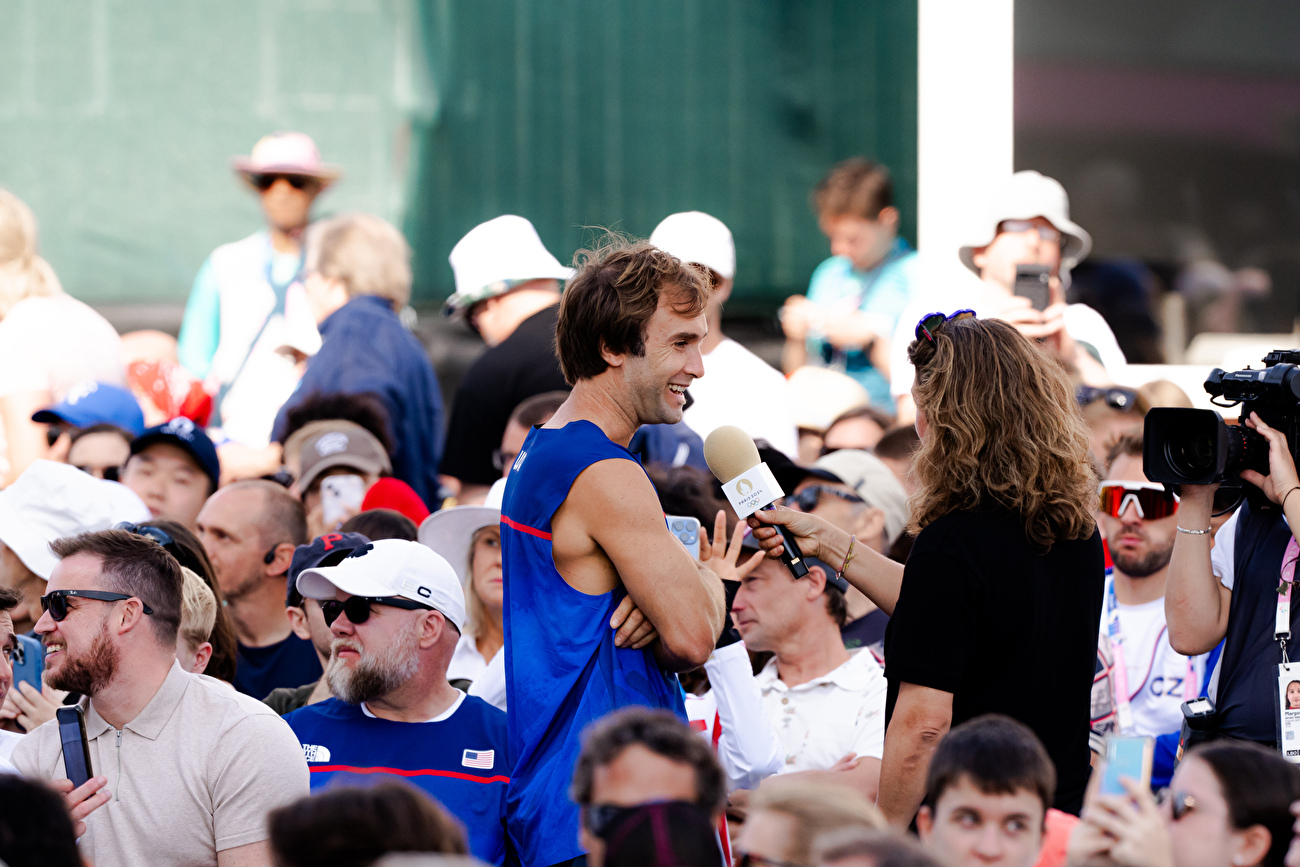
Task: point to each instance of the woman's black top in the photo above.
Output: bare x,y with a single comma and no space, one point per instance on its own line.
1005,628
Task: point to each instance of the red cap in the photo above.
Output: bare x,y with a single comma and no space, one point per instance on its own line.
390,493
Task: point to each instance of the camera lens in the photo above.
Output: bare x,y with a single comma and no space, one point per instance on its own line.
1194,456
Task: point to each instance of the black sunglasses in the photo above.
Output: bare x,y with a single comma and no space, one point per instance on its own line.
1180,803
929,324
357,608
1119,399
807,499
56,601
265,182
162,537
502,459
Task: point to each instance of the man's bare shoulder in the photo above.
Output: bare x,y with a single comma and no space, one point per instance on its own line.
613,487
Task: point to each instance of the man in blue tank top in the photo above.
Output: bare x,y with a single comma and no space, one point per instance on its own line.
602,604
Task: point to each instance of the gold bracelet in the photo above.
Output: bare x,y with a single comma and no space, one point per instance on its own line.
848,555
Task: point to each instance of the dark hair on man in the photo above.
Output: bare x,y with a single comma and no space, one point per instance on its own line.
138,567
9,598
189,552
658,731
881,848
1129,444
898,444
283,519
836,605
1259,787
999,755
350,826
78,433
376,524
364,408
856,187
35,828
616,290
539,408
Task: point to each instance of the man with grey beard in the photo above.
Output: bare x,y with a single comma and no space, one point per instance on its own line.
396,610
193,766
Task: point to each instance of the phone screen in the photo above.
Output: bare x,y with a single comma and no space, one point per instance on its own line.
340,498
1126,757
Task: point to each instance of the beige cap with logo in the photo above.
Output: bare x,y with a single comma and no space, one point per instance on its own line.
341,444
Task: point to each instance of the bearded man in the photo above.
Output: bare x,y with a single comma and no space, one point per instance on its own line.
396,610
194,765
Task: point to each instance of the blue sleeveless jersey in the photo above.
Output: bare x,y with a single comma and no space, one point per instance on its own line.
563,671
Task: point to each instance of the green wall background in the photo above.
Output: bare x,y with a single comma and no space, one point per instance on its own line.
118,118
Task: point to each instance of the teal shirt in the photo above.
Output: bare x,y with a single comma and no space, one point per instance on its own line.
882,291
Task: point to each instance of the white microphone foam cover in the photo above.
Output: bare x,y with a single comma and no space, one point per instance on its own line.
729,451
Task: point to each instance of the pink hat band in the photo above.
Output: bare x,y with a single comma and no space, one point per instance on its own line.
290,153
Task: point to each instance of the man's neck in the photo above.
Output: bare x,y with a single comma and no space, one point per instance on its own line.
1139,591
524,304
258,615
810,653
134,685
598,401
417,700
286,241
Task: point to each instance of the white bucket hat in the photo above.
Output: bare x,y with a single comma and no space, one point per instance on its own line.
496,256
820,395
50,501
694,236
391,567
449,531
1026,195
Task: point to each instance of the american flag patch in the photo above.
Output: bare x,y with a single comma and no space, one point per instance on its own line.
481,759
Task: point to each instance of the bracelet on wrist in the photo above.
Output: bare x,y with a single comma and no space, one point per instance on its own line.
1195,532
848,555
1282,503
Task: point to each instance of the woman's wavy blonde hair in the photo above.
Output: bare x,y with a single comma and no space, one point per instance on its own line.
23,273
1004,430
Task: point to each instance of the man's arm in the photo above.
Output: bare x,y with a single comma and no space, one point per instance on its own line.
860,774
249,855
921,718
1196,603
615,505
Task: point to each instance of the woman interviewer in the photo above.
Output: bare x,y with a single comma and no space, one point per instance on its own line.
998,607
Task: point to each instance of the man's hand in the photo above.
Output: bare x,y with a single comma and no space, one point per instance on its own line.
1281,466
83,800
721,558
29,707
634,630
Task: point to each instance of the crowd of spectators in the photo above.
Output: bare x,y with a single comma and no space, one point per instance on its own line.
305,620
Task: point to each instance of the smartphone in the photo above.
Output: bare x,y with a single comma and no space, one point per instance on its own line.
340,498
76,749
29,661
1032,283
1126,757
687,531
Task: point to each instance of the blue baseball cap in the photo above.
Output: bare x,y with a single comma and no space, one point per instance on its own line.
91,403
184,433
326,550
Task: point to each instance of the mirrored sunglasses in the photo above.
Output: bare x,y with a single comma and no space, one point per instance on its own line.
1153,502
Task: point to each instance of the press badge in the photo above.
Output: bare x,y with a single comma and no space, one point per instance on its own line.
1288,692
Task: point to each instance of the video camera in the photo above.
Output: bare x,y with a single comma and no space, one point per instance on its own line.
1196,447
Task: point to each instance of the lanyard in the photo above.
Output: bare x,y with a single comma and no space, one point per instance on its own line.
1282,625
1119,673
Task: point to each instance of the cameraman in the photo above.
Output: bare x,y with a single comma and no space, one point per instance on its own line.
1230,589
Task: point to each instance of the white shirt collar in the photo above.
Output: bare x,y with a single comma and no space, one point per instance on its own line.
446,714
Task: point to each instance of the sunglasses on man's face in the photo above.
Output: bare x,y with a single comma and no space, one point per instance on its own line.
930,323
809,497
265,182
1046,233
1118,399
56,601
1153,502
357,608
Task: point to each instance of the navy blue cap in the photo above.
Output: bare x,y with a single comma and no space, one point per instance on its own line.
91,403
184,433
327,550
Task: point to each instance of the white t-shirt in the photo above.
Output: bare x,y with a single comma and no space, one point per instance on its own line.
968,292
821,721
742,389
51,344
8,740
466,662
1156,672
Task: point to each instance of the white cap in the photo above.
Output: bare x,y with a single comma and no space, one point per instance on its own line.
50,501
1023,196
694,236
875,483
391,567
496,256
448,532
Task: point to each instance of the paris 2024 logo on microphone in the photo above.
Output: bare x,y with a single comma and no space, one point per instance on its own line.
744,486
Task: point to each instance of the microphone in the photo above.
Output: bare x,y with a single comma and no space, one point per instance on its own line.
749,485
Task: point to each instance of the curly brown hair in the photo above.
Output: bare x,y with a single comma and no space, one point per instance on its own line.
1004,430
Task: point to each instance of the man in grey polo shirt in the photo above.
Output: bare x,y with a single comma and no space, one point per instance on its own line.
192,766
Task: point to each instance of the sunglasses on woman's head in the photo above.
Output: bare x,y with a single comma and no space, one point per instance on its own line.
162,537
264,182
357,608
56,601
1152,501
930,323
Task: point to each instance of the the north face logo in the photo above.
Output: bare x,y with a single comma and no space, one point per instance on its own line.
315,753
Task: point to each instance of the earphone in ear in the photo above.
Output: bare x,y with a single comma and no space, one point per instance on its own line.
270,556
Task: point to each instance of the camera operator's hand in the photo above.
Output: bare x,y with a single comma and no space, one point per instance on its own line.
1281,466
